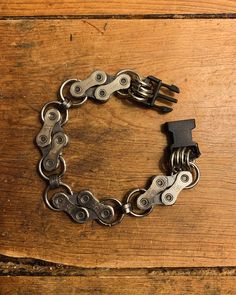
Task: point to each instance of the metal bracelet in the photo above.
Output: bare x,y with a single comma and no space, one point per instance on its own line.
82,206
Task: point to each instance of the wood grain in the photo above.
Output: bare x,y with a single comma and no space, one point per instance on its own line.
151,284
114,7
117,146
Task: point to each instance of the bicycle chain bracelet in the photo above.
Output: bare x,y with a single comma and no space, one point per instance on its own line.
164,190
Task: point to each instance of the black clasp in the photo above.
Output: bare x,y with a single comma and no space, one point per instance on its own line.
181,136
157,85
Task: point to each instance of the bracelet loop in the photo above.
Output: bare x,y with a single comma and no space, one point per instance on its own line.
67,102
119,213
63,170
129,200
45,196
60,108
197,174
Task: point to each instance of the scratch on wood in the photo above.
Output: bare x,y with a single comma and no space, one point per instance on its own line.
95,27
105,26
25,45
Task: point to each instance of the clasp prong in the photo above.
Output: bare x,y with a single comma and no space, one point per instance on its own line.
157,84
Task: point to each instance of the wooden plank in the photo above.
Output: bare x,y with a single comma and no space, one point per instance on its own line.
163,285
114,7
115,147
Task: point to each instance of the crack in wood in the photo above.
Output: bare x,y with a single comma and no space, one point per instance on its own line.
35,267
126,16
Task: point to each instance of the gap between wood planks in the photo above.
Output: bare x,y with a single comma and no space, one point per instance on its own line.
36,267
127,16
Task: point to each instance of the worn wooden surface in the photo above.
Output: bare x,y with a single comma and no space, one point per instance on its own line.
115,147
163,285
185,249
114,7
50,278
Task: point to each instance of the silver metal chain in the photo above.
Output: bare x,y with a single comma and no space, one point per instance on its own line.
82,206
